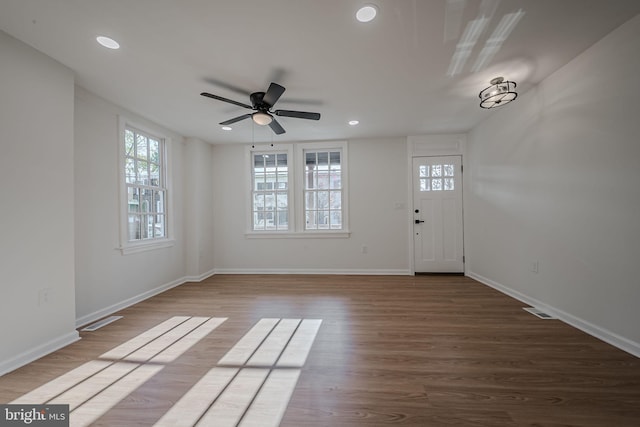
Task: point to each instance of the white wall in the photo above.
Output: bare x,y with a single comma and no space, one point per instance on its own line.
107,280
377,181
36,219
198,196
553,178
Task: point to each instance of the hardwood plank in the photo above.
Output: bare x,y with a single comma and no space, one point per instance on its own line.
296,353
185,342
50,390
249,343
92,386
270,404
134,344
90,411
163,342
269,351
228,409
190,408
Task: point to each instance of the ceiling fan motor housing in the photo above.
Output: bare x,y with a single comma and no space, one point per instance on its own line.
257,101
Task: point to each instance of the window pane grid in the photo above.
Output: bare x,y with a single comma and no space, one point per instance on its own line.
323,190
436,177
144,178
270,198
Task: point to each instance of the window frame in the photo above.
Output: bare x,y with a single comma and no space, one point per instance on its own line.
296,188
271,149
302,149
134,246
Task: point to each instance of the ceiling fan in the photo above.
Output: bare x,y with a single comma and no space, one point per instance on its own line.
262,103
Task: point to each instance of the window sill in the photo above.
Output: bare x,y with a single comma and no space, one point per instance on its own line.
298,235
134,248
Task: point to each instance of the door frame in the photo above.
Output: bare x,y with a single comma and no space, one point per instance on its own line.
432,146
445,266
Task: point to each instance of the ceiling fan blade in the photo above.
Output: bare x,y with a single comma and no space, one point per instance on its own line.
236,119
276,128
274,93
277,75
230,101
226,85
297,114
300,101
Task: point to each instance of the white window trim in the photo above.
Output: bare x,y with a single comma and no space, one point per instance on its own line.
344,162
264,149
127,247
295,153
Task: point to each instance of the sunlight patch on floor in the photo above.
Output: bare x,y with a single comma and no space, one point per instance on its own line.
253,382
251,385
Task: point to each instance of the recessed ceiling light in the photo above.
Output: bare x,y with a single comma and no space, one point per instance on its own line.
366,13
108,42
227,128
353,122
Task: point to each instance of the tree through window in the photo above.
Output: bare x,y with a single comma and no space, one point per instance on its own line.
270,195
323,190
145,185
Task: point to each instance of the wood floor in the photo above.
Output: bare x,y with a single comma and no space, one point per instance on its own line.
418,351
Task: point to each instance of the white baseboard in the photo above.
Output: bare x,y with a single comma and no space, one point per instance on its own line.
596,331
200,277
38,352
99,314
346,271
107,311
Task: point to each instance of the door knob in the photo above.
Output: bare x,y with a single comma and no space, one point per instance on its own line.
418,221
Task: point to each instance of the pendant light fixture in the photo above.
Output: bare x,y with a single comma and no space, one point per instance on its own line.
500,92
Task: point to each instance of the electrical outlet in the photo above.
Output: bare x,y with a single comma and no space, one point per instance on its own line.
364,249
534,266
44,295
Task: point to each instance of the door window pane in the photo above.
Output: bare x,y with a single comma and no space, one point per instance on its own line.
448,184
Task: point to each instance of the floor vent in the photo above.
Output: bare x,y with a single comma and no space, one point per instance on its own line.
100,323
538,313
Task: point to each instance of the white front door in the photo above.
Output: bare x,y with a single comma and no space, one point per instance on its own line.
437,207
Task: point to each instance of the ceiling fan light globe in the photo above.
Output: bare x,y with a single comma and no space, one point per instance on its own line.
262,118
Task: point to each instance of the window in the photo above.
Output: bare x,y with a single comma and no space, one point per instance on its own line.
270,194
298,190
322,190
437,178
144,213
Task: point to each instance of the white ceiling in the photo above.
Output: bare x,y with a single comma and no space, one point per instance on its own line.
390,74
